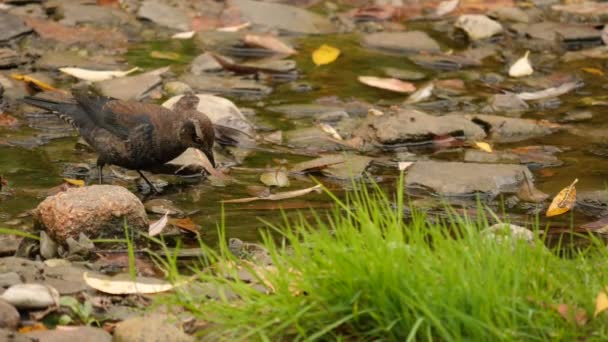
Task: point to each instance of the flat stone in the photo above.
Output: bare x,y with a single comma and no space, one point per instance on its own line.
68,280
504,129
226,85
204,63
415,126
410,41
305,110
9,316
478,26
131,87
74,14
283,17
466,179
71,333
151,328
162,14
11,26
9,278
97,211
53,60
13,336
28,270
9,58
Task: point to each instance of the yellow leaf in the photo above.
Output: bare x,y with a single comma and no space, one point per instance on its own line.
601,303
77,182
564,201
30,81
484,146
593,71
325,54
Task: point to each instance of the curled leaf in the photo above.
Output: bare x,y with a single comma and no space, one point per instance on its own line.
158,226
96,75
521,67
391,84
564,201
325,54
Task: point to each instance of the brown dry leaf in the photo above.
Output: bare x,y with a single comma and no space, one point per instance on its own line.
325,54
48,29
268,42
77,182
34,83
572,313
593,71
278,196
563,201
601,303
158,226
185,224
391,84
8,121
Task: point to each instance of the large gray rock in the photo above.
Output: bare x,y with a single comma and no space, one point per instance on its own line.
11,26
162,14
411,41
97,211
153,328
466,179
412,125
88,334
131,87
283,17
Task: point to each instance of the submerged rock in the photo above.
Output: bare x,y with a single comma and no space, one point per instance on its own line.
466,179
96,211
411,41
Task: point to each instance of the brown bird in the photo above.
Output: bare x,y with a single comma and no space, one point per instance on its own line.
132,134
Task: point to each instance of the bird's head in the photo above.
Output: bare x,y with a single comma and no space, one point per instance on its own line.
197,131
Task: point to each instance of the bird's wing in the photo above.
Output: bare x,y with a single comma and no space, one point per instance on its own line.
120,117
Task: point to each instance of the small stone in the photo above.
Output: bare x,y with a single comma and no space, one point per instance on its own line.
478,26
152,328
31,296
9,316
176,88
98,211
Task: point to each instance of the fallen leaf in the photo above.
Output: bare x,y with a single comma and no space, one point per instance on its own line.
185,224
601,303
446,7
325,54
484,146
391,84
329,129
77,182
234,28
278,196
158,226
34,327
96,75
404,165
593,71
268,42
123,284
521,67
421,94
183,35
171,56
549,92
572,313
275,178
564,201
34,83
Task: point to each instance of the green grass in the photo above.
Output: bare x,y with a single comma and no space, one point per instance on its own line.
364,274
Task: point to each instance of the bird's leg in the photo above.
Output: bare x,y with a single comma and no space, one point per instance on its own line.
149,183
100,170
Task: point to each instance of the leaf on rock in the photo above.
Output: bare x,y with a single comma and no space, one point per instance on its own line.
391,84
121,284
549,92
277,178
484,146
564,201
601,303
77,182
96,75
521,67
268,42
329,129
158,226
325,54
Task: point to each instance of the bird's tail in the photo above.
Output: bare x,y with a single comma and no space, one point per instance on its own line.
69,112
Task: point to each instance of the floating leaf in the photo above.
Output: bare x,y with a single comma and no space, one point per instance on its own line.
593,71
171,56
77,182
484,146
158,226
268,42
123,284
391,84
96,75
521,67
277,196
34,83
185,224
184,35
564,201
275,178
325,54
601,303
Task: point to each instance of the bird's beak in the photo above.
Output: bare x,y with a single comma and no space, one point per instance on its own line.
209,155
